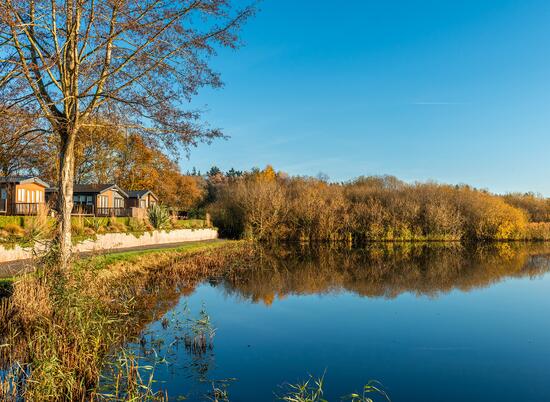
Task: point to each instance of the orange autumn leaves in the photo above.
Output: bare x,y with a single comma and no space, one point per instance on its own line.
265,205
107,154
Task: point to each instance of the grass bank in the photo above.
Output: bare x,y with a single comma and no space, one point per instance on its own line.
59,327
26,230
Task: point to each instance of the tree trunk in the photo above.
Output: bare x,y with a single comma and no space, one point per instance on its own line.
65,197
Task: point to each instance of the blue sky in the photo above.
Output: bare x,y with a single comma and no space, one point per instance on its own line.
451,91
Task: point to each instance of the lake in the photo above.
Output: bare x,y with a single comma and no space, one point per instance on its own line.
429,322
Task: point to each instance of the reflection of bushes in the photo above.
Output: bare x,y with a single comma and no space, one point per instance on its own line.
385,270
372,208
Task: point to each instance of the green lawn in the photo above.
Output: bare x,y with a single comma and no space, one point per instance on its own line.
104,260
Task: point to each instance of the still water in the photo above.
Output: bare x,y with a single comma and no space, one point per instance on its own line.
429,322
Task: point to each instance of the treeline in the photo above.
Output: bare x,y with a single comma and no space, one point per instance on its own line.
270,206
105,153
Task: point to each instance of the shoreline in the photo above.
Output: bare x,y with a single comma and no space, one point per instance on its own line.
103,301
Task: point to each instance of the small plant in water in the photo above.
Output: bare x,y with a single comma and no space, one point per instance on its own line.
311,390
219,393
127,380
371,388
200,336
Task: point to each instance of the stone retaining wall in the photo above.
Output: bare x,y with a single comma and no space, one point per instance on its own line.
113,241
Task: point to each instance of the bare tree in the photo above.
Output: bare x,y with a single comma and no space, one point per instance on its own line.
72,60
21,142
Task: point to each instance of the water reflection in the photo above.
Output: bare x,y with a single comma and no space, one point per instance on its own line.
271,326
385,270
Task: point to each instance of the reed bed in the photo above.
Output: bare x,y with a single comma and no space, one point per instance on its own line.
312,390
58,328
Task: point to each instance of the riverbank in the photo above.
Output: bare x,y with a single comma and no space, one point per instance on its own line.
11,270
60,327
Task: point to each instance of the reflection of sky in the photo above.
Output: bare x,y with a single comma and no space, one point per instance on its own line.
486,344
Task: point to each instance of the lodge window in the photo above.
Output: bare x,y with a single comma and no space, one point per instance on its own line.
119,202
23,195
103,201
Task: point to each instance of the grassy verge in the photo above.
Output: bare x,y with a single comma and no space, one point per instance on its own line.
136,256
25,230
60,327
190,224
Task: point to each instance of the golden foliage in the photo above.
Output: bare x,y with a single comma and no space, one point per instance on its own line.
267,207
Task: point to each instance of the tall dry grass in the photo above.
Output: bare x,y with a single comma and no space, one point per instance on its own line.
62,326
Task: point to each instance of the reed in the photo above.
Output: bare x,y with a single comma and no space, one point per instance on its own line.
200,335
125,380
63,326
311,390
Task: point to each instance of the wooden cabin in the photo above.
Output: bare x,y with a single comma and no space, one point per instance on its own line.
96,200
22,195
141,199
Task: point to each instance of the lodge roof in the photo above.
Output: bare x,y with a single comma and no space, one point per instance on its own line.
23,179
139,193
93,189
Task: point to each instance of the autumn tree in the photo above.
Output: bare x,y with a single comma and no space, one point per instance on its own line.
74,60
98,154
139,166
181,191
265,205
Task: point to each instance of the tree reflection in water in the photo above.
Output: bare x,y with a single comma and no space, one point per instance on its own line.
384,269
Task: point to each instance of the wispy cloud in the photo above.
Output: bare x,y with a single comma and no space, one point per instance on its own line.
436,103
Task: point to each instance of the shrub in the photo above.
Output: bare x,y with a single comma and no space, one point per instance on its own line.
116,225
159,217
77,226
5,220
366,209
96,223
89,232
535,206
39,226
14,229
137,225
538,231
